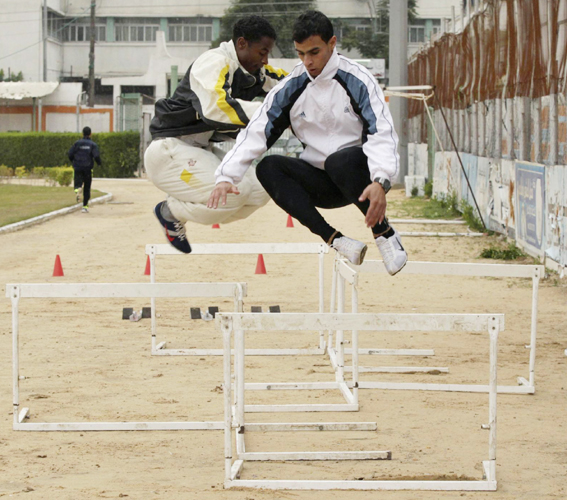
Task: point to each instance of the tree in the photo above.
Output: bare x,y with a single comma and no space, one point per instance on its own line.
280,13
12,78
375,44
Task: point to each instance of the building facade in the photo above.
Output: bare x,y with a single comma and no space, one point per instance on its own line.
138,41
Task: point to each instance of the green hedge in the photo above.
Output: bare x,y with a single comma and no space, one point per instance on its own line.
119,151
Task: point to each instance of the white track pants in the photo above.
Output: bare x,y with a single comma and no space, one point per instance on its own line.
187,175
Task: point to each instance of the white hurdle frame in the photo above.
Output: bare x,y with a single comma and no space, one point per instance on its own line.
350,273
236,324
15,292
153,250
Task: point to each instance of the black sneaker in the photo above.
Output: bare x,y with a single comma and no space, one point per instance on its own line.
174,231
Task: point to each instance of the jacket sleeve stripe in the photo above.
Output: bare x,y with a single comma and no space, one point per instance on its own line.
223,101
361,101
284,99
276,73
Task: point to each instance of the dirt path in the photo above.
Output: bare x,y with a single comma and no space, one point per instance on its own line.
81,362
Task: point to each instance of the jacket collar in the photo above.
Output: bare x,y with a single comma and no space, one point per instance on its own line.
230,49
329,71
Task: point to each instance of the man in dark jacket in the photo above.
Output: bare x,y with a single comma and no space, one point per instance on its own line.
83,154
213,102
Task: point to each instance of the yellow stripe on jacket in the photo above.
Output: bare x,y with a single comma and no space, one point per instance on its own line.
222,102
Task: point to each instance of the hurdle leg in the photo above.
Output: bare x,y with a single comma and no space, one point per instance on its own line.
533,334
333,299
321,295
227,330
15,354
153,301
354,356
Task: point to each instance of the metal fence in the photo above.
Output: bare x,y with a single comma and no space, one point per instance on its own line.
501,81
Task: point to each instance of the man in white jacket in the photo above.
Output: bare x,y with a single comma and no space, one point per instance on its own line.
213,102
337,110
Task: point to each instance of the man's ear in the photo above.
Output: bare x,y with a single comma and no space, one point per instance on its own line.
333,42
241,43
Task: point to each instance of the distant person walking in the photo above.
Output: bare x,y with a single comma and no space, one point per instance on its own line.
83,154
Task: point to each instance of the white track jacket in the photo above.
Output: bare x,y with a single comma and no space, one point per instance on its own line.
342,107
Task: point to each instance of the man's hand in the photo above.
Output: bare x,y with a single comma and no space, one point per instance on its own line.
374,192
220,192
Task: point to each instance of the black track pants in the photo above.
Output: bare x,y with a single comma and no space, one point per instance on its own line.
299,188
84,178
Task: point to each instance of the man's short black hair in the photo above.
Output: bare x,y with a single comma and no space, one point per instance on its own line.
86,131
312,23
253,29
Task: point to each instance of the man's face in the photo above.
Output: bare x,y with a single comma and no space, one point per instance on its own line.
315,53
254,55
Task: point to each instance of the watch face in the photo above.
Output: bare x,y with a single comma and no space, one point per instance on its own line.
385,183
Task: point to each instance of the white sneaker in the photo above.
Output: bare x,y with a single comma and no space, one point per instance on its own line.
393,253
352,250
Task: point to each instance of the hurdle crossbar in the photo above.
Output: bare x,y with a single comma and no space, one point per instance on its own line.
349,273
320,249
15,292
235,325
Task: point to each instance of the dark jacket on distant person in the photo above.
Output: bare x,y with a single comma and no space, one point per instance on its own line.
82,154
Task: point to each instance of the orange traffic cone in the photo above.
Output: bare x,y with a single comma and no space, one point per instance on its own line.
260,267
147,272
289,221
58,268
216,226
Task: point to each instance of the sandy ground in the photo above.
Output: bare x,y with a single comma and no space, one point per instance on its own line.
82,362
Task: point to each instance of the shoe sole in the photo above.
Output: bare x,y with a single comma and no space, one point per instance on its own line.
362,255
400,268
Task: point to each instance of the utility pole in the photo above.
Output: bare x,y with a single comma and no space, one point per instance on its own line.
92,57
398,77
44,40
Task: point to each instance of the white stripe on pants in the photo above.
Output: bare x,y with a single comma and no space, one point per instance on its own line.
187,174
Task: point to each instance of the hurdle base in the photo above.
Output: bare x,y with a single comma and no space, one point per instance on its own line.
408,370
118,426
300,408
249,352
403,386
362,485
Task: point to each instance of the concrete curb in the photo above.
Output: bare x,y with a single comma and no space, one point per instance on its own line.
10,228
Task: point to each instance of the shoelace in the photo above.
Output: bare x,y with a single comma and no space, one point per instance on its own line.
346,245
181,233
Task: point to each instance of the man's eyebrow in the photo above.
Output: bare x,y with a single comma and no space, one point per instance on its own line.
307,51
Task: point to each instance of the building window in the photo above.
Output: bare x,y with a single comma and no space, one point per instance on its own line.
136,29
55,24
416,31
79,30
190,29
416,34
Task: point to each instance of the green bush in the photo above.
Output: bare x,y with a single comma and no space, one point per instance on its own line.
471,216
21,172
65,176
39,172
6,171
119,151
414,191
511,252
428,189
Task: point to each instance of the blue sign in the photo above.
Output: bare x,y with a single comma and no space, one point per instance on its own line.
530,205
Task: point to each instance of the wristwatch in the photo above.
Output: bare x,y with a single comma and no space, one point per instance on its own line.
385,183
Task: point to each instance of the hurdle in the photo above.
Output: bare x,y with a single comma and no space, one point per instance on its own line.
16,292
320,249
234,327
350,274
